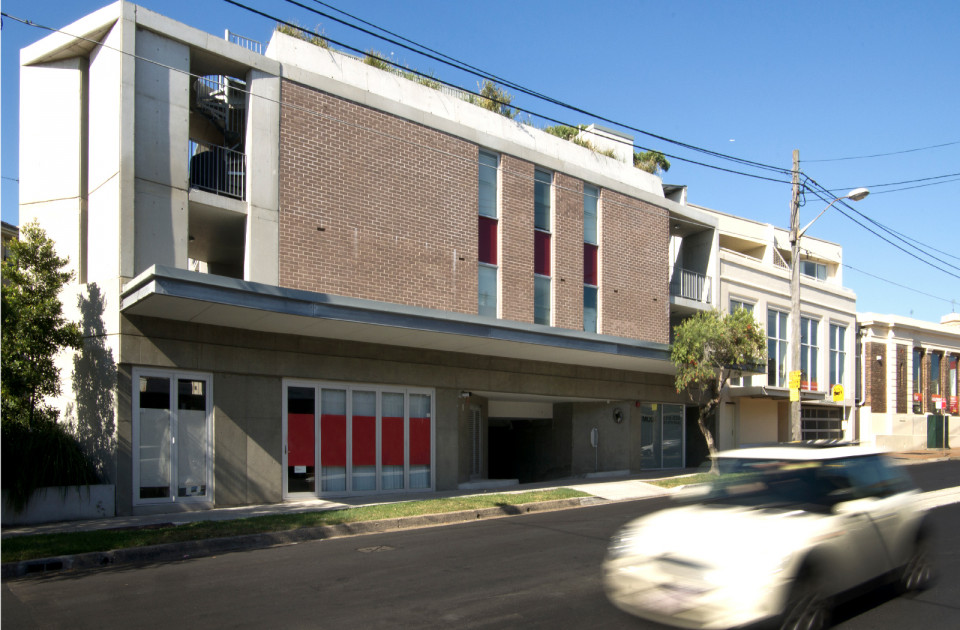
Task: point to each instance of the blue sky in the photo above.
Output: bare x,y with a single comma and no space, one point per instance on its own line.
750,79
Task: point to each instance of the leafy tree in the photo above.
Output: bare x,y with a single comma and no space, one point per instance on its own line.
651,162
496,99
706,349
34,328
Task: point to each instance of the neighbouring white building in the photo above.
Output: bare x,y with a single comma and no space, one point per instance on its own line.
754,273
910,381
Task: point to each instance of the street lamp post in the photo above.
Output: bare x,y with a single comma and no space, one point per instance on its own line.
795,235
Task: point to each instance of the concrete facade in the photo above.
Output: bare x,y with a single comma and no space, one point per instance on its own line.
909,374
754,271
320,239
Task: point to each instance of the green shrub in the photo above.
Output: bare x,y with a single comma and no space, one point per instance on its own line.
39,456
304,34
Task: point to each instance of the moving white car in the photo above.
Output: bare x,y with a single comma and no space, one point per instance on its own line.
780,535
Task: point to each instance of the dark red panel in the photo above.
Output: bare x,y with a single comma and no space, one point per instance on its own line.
419,441
364,441
301,439
391,444
487,241
541,253
333,440
590,264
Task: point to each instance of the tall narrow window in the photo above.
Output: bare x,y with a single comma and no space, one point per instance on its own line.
333,440
488,235
542,260
935,373
735,305
776,348
591,254
917,380
808,353
838,353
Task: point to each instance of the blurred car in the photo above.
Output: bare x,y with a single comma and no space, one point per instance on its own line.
778,538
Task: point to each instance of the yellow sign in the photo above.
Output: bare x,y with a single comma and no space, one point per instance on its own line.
795,379
838,393
794,394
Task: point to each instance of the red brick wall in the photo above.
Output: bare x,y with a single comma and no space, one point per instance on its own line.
516,237
377,207
395,204
634,261
568,252
875,376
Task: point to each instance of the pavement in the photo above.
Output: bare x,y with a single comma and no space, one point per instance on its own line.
602,487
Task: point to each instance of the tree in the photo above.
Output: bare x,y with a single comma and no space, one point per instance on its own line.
707,348
651,162
496,99
34,328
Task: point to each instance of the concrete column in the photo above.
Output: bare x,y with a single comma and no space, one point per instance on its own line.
262,248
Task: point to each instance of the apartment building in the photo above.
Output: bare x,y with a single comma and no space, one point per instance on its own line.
303,276
909,381
754,273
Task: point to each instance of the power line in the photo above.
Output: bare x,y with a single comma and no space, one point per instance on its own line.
896,284
445,59
875,155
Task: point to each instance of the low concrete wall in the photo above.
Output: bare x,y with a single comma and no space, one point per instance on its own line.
70,503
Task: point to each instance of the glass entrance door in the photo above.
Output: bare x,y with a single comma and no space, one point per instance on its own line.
650,436
662,437
172,438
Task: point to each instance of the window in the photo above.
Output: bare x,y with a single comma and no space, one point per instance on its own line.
813,269
838,354
542,260
917,380
935,373
488,235
359,438
776,348
591,254
808,354
735,304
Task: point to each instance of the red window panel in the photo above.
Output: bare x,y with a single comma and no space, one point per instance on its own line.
419,441
590,264
301,441
391,446
541,253
488,241
333,440
364,441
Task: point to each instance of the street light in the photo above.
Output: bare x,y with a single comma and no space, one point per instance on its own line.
854,195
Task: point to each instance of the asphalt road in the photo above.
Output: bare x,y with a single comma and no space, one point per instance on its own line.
532,571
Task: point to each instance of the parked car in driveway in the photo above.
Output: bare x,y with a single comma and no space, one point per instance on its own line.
778,538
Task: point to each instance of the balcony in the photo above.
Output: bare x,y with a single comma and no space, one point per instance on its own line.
691,285
217,169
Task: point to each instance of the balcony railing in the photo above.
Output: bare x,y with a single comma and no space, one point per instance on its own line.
246,42
690,285
217,169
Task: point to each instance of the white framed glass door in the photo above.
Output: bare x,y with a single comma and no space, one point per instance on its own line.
172,437
662,436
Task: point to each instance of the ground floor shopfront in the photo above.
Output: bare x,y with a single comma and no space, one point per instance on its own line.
211,415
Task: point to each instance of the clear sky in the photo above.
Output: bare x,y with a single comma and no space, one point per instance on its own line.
749,79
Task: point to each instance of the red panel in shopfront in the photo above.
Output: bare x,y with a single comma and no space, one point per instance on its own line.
541,253
333,440
419,441
301,438
364,441
391,446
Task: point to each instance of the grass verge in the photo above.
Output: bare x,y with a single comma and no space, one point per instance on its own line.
684,480
30,547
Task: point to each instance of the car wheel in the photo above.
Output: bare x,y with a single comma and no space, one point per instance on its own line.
806,609
917,574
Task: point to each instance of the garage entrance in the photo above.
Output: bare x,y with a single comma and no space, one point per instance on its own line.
527,449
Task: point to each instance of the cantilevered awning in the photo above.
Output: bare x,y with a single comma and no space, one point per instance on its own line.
180,295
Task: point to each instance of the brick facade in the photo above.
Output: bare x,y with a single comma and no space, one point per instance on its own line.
375,207
568,252
902,394
634,274
875,376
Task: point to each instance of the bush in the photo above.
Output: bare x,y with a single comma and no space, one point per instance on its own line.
39,456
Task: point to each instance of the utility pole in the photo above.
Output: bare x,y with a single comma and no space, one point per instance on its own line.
794,349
